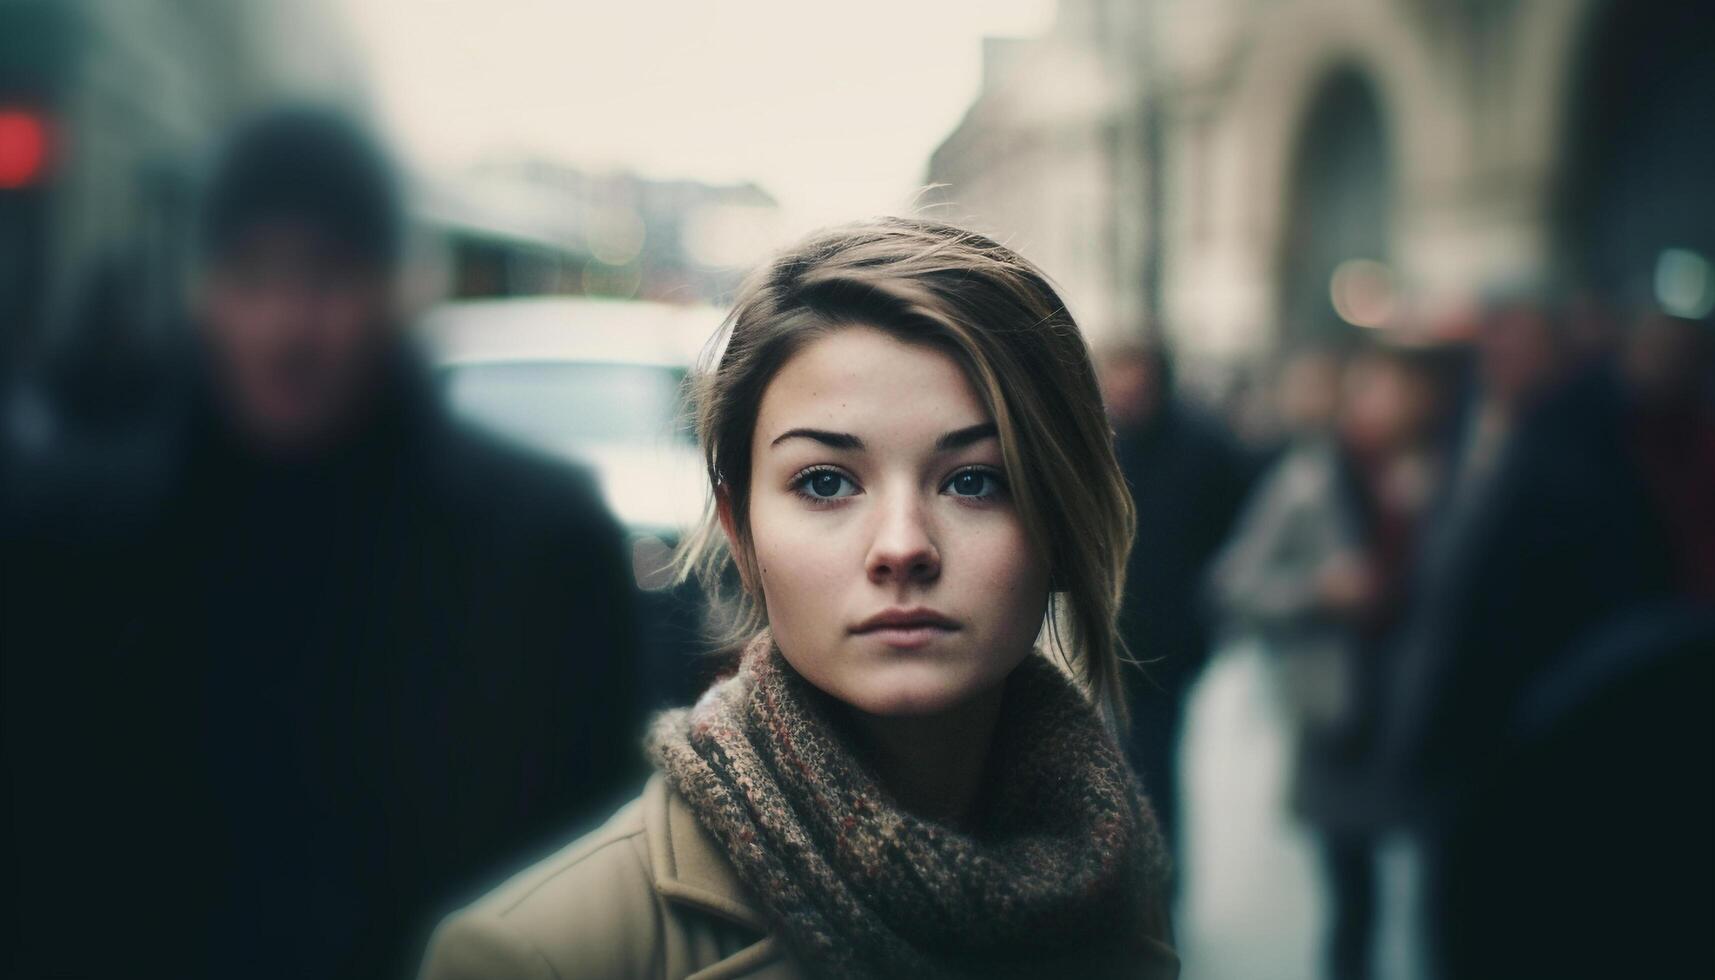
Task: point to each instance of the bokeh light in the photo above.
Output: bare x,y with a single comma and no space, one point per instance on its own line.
23,148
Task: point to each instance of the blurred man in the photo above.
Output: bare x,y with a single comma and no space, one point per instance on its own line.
1567,613
1187,478
282,694
1522,353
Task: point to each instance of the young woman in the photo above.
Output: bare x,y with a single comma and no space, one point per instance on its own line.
914,481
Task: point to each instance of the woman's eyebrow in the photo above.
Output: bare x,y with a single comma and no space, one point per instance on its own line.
833,440
956,439
969,435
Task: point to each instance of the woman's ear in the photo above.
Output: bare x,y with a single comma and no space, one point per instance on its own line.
723,510
735,546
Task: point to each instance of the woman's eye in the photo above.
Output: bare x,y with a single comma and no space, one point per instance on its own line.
974,483
826,485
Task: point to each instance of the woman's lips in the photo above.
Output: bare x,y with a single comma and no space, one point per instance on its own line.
906,629
908,637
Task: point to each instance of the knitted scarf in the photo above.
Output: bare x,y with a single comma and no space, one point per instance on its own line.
1063,854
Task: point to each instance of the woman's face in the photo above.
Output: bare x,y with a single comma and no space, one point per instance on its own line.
896,572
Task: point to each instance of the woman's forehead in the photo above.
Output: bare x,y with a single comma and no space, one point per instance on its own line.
868,383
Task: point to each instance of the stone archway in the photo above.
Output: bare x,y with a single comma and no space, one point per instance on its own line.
1236,136
1341,190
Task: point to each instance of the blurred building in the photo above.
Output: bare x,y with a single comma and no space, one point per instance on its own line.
534,227
1052,159
106,107
1251,171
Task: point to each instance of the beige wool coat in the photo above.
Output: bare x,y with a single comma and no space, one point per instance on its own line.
651,895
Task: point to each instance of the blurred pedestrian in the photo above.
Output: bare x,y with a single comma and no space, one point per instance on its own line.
1522,355
280,693
910,459
1187,478
1591,537
1308,394
1318,571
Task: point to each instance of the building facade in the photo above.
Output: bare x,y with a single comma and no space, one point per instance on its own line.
1206,167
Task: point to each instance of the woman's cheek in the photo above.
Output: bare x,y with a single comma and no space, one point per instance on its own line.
1013,585
797,565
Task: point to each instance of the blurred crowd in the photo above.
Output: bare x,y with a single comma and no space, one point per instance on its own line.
273,614
1483,572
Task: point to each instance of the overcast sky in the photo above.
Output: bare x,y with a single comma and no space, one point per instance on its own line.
832,107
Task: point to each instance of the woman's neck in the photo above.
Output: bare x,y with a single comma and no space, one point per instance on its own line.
934,764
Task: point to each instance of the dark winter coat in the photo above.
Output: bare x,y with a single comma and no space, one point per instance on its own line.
266,719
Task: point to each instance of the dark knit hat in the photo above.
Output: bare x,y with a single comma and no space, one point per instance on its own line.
308,164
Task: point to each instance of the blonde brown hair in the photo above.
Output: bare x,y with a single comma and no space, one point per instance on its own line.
997,316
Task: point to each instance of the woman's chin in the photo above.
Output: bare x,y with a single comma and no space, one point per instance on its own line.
911,691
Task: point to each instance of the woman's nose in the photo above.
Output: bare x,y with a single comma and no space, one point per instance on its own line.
903,549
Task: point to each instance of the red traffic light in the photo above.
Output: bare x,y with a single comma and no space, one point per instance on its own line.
23,148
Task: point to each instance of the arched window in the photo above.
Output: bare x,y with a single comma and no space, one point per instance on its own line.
1340,209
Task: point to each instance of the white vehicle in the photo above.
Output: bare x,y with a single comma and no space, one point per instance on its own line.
591,380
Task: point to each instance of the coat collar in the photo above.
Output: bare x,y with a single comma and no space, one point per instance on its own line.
688,867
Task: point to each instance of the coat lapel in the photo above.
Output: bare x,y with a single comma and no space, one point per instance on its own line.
688,867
